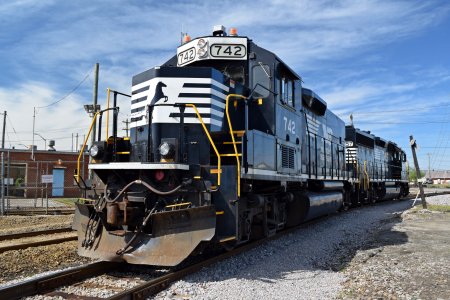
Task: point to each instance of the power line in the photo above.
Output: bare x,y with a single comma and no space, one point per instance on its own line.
72,91
57,129
12,126
402,110
395,123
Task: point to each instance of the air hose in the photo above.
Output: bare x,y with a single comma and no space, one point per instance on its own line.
148,186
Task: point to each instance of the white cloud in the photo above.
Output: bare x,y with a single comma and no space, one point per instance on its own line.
52,44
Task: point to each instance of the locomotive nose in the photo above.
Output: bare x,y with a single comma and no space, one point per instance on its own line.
175,235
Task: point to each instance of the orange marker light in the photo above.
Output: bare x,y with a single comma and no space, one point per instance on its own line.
233,31
186,39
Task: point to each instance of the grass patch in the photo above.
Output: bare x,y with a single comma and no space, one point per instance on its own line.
433,207
66,201
438,186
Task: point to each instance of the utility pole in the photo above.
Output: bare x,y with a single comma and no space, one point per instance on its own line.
32,144
2,193
71,149
4,130
412,141
94,100
429,165
126,126
76,142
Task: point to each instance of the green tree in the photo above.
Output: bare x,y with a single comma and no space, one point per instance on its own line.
413,175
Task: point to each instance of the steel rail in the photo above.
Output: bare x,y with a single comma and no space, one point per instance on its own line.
49,282
34,233
156,285
33,211
49,241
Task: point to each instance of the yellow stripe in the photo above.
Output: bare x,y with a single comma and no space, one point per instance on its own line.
231,143
239,132
219,212
197,177
123,152
231,238
179,204
230,154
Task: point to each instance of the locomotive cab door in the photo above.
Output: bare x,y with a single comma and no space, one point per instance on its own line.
290,129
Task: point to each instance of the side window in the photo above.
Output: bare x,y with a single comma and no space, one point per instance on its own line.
261,80
286,88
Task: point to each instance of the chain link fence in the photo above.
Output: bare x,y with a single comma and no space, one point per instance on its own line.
40,184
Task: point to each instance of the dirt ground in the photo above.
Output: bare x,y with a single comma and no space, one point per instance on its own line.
408,258
17,264
16,224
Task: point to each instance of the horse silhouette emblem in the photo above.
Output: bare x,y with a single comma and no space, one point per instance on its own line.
159,94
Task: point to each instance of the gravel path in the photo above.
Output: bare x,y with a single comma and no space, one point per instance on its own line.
438,200
301,265
408,260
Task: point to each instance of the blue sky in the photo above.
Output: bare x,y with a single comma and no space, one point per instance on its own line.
385,62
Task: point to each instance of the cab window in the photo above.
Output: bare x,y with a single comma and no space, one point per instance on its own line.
287,91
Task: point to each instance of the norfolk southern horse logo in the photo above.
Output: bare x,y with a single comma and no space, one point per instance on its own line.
159,94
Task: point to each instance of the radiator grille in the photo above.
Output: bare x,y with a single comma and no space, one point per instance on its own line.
287,157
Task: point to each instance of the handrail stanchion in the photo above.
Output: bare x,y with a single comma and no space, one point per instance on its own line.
219,171
234,141
94,119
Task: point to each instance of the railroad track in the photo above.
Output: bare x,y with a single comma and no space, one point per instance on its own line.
40,211
9,243
47,284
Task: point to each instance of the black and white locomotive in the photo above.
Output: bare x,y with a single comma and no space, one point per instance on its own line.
225,146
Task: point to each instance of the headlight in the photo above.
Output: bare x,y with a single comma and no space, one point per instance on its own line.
201,43
96,151
166,150
202,52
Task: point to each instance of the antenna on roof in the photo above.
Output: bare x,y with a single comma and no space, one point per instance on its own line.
184,34
351,119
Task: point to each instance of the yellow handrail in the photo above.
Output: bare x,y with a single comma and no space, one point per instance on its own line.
234,141
366,177
77,177
107,112
210,140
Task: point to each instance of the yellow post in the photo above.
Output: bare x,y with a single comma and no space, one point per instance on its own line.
107,112
210,140
234,141
84,146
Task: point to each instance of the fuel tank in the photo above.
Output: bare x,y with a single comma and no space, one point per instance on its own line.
322,204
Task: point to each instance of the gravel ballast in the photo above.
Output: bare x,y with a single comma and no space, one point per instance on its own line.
300,265
19,224
367,252
16,264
